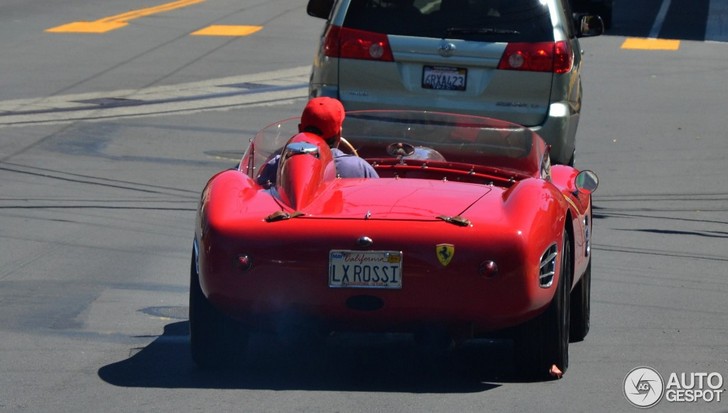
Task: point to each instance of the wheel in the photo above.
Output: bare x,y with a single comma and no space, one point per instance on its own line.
216,341
544,341
581,306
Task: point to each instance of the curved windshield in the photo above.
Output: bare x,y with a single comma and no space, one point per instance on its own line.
462,141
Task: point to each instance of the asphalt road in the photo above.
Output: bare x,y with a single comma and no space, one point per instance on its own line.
107,138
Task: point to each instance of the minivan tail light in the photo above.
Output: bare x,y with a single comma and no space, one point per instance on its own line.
349,43
556,57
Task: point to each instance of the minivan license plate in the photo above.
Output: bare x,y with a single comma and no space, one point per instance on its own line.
444,78
365,269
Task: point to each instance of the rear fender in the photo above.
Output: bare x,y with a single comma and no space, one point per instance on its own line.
538,214
580,214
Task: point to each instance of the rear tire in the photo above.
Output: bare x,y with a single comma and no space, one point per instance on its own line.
216,341
581,306
544,341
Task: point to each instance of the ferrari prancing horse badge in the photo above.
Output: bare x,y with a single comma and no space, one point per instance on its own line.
444,253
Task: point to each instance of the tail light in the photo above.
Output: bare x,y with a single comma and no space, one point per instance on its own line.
349,43
555,57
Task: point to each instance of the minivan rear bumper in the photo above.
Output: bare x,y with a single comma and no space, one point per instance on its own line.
559,131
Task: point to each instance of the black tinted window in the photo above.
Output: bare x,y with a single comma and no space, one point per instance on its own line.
484,20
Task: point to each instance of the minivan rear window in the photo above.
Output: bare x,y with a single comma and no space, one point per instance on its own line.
477,20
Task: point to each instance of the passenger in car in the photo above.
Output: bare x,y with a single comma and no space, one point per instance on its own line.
324,117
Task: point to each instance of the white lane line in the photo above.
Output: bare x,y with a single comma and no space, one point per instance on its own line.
660,19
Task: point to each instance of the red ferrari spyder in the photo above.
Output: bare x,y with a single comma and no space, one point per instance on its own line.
468,231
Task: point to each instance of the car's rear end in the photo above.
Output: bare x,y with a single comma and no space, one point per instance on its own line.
403,260
516,61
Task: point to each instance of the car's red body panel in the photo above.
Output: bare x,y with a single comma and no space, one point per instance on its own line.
264,253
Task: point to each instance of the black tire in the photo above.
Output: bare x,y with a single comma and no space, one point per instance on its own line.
544,341
581,307
216,341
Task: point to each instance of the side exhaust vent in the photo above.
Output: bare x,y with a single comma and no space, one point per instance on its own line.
547,267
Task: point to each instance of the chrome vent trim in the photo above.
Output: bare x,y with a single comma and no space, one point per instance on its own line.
547,268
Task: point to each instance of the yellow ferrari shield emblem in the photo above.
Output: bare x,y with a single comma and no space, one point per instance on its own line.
444,253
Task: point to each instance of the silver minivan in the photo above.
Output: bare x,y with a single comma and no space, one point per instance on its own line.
517,60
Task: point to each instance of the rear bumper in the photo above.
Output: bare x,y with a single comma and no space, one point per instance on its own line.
559,131
368,310
274,292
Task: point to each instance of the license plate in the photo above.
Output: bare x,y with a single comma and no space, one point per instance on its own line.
365,269
444,78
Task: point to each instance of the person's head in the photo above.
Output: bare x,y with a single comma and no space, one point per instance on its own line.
323,116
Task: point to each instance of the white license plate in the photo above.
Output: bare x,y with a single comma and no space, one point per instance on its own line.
444,78
365,269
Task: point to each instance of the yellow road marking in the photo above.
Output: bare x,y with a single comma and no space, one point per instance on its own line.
118,21
637,43
222,30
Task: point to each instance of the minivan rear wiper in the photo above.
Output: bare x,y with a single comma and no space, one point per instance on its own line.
479,30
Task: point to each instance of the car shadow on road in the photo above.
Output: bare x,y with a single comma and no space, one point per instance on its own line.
381,363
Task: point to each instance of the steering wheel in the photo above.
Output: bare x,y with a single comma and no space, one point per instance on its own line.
349,146
400,149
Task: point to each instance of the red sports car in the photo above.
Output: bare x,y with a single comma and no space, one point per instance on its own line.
468,231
